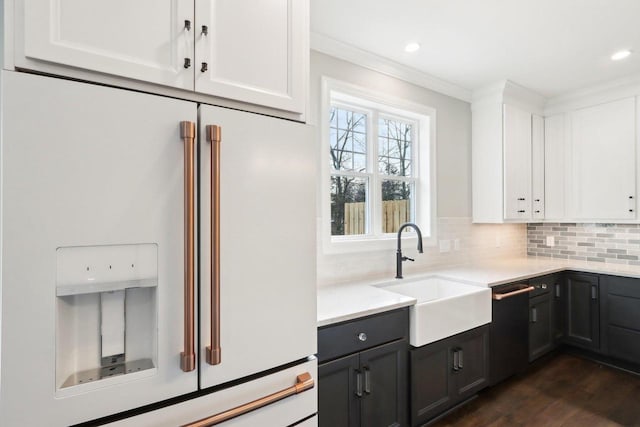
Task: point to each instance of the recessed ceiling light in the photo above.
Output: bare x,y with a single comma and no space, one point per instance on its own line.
620,55
411,47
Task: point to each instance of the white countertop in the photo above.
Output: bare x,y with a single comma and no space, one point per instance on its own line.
339,303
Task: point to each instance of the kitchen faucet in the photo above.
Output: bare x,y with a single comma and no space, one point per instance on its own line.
399,257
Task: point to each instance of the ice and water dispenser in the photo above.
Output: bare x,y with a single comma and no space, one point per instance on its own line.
106,315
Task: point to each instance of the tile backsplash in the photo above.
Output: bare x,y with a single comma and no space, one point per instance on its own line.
476,243
608,243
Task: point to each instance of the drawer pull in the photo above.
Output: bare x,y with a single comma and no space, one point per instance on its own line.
362,336
304,382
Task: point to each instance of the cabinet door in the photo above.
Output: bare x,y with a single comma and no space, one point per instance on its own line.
470,371
431,389
537,167
517,163
254,52
145,40
338,404
265,164
583,314
540,327
384,369
555,167
604,161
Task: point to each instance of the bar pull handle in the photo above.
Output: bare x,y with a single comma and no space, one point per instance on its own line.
367,380
557,290
460,359
456,360
358,383
534,314
303,383
499,297
188,135
214,352
594,292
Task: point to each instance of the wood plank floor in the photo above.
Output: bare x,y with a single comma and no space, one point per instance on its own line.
564,391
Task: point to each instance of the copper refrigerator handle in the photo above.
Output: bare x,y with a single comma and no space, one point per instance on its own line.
214,352
188,135
303,383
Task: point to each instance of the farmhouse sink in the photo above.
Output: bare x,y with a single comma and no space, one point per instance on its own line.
444,307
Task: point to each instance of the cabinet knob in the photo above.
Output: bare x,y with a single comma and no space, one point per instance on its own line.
362,336
537,211
521,199
536,200
204,67
521,211
187,62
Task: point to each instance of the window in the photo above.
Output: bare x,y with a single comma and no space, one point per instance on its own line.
379,169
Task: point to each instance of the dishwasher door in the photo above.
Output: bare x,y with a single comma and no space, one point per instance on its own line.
509,331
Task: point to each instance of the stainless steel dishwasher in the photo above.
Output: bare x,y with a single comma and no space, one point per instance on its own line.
509,331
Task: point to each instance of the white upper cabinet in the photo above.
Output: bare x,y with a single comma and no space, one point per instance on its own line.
507,155
555,166
537,167
603,163
243,52
253,51
517,163
147,40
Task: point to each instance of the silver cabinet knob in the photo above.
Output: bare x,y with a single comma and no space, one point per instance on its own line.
362,336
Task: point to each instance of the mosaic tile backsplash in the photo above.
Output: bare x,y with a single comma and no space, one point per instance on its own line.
608,243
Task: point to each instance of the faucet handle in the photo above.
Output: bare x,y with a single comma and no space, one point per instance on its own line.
406,258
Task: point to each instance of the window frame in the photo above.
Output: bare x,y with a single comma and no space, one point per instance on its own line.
377,105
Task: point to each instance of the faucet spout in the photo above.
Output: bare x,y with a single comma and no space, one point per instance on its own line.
399,257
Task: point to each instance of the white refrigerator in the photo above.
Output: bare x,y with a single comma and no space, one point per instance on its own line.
158,260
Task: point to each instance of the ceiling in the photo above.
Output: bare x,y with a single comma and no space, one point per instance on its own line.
550,46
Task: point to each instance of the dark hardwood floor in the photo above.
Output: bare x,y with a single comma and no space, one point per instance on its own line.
564,390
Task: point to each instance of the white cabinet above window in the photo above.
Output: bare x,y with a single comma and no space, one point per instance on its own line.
244,51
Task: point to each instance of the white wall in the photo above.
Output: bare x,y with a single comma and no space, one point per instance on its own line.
453,181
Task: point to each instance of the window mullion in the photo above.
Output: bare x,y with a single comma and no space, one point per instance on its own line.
376,186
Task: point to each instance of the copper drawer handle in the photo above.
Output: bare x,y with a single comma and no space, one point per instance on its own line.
214,136
499,297
303,383
188,135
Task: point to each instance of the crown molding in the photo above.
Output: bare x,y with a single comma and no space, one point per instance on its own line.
594,95
346,52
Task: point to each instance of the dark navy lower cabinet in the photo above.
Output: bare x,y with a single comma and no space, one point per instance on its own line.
621,318
583,311
447,372
369,386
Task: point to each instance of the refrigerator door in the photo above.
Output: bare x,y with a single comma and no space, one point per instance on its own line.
92,250
265,247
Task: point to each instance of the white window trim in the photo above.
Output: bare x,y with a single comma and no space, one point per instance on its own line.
426,210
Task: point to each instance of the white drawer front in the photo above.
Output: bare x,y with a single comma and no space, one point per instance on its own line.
282,413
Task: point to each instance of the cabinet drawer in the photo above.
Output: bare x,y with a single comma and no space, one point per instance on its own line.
624,312
624,344
349,337
542,285
623,286
283,412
